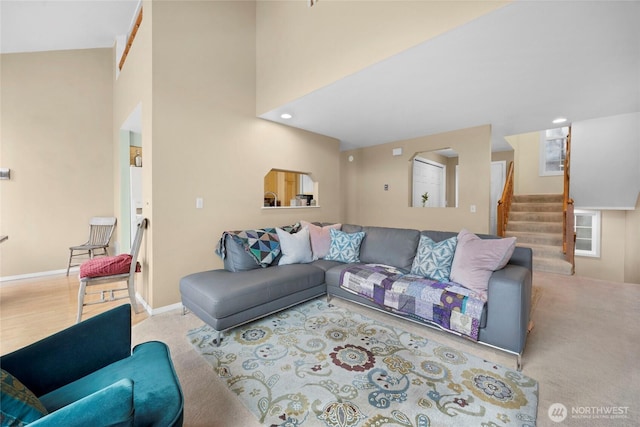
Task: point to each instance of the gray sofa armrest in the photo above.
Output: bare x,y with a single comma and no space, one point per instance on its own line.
508,303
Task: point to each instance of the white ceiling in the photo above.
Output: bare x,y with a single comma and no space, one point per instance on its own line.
516,69
41,25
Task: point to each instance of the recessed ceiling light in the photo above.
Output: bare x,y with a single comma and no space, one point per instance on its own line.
286,116
559,120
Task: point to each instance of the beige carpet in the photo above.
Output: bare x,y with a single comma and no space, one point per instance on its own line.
584,351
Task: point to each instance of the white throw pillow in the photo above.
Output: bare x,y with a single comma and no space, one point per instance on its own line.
295,248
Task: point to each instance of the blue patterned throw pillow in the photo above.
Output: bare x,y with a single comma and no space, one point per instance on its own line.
344,247
433,260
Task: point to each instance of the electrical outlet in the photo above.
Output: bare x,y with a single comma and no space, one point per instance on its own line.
473,208
199,203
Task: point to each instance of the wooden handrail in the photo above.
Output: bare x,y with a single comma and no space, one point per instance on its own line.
504,204
568,229
132,36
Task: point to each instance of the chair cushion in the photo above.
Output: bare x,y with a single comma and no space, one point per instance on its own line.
18,405
107,266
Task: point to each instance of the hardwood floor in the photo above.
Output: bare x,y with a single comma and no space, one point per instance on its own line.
32,309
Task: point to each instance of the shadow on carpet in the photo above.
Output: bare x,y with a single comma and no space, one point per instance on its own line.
320,365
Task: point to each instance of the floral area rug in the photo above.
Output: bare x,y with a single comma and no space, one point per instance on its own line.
320,365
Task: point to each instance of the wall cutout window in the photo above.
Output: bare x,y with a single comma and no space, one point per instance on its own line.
283,188
434,174
553,150
587,227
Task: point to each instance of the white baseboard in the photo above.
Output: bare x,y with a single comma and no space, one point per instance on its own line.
155,311
73,270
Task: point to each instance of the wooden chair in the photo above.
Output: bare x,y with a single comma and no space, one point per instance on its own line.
100,231
129,277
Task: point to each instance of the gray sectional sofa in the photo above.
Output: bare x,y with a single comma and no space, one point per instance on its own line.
244,291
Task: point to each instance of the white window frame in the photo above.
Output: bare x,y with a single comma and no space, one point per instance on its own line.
544,139
595,232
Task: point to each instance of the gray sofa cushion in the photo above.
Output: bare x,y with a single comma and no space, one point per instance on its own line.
351,228
390,246
236,258
332,275
221,293
326,264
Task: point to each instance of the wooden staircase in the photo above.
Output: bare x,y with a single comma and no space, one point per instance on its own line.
536,221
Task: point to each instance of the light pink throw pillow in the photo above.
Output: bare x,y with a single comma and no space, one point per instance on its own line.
320,238
475,259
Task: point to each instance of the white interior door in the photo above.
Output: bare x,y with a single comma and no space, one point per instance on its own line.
428,176
498,177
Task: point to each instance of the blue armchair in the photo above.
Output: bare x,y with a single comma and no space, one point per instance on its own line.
88,375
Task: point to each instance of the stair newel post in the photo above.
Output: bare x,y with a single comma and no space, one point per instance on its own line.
568,235
504,204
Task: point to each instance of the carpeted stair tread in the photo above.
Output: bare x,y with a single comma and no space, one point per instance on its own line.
538,198
536,207
536,220
536,216
554,239
536,226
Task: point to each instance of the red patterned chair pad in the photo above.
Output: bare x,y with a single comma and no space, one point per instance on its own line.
107,266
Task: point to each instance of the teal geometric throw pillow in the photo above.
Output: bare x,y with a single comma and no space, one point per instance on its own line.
344,247
433,260
18,405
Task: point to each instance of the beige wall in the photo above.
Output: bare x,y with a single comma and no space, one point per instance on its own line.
620,248
197,69
611,263
527,179
366,201
207,142
503,156
132,87
632,245
56,138
301,49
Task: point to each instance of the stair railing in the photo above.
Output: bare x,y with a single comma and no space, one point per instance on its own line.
504,204
568,222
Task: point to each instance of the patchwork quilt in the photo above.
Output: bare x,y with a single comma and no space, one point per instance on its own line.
446,304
